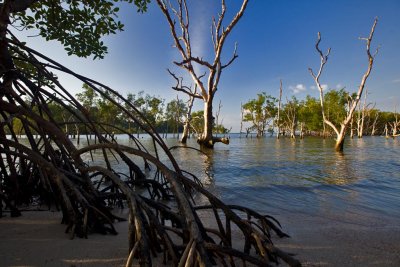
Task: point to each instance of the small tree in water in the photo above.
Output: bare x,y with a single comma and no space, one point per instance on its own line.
341,133
260,112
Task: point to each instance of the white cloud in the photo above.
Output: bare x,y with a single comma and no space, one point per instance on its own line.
324,87
396,81
313,87
339,86
298,88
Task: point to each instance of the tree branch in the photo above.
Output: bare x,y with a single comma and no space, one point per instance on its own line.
232,59
323,60
182,88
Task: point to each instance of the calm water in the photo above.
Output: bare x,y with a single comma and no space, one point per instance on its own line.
287,178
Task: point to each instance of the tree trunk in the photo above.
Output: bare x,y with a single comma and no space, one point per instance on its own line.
301,130
185,133
352,128
339,143
186,127
241,120
77,134
340,139
386,130
279,109
206,139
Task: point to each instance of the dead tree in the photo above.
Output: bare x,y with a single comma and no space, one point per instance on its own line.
279,109
217,117
190,62
341,133
241,120
188,119
362,112
374,123
395,124
181,87
349,104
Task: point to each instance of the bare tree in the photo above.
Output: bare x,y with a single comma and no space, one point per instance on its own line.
241,119
362,112
188,119
349,104
374,123
219,33
279,109
181,87
217,117
341,133
395,124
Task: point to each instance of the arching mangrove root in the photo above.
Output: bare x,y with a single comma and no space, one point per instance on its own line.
164,219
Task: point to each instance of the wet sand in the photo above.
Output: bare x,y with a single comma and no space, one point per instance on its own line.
38,239
318,241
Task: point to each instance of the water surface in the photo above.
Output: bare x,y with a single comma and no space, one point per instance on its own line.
289,177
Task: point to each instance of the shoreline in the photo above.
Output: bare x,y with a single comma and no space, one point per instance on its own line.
37,238
319,241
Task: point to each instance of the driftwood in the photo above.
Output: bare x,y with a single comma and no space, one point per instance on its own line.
164,219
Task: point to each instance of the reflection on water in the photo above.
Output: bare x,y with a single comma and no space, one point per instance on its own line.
302,176
307,176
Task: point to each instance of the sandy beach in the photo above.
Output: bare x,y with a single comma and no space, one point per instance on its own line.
38,239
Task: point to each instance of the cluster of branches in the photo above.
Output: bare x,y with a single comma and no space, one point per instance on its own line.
164,218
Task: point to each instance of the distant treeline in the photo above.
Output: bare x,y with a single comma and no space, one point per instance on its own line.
304,117
259,115
164,117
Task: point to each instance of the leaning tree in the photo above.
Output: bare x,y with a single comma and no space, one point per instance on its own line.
341,133
85,181
195,64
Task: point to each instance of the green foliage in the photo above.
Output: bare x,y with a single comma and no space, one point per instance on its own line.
150,106
260,111
310,114
174,113
88,97
290,114
30,70
220,129
197,122
108,112
77,25
335,103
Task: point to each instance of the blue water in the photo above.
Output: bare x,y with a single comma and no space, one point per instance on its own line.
289,178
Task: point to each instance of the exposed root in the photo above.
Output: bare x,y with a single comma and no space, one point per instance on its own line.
164,219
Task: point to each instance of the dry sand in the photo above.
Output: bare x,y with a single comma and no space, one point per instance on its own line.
38,239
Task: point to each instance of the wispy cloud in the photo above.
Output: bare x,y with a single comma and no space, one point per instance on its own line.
396,81
339,86
298,88
324,87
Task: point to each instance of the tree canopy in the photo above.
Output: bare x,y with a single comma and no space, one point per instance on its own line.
78,25
260,112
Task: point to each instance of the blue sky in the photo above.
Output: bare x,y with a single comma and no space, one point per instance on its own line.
275,41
